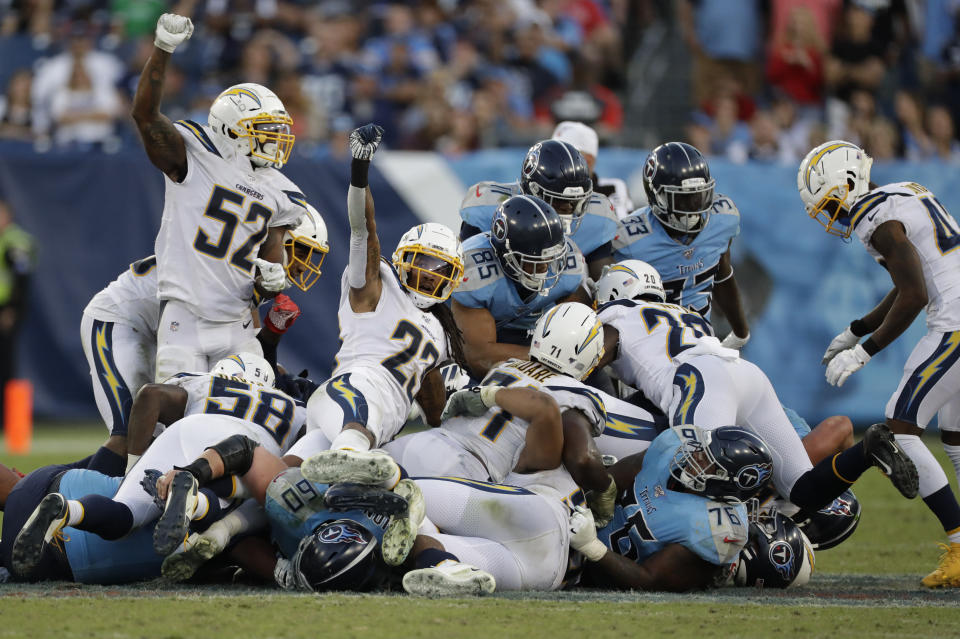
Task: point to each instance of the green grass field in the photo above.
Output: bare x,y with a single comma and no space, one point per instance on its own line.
868,586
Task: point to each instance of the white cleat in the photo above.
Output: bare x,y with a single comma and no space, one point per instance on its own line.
401,532
198,550
449,578
371,467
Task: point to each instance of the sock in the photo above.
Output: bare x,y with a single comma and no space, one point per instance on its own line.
819,486
107,518
223,487
432,557
131,461
107,462
203,504
391,483
352,439
74,512
953,452
944,506
932,477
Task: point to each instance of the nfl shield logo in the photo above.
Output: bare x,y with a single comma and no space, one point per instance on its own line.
688,253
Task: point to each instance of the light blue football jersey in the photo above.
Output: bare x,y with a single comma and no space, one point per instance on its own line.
485,285
598,227
687,270
94,560
294,507
653,516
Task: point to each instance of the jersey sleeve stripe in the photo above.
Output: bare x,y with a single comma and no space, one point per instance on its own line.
200,134
869,204
297,198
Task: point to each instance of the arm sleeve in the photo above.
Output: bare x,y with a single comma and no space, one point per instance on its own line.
356,214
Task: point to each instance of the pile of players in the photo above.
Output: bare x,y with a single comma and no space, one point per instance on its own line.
622,447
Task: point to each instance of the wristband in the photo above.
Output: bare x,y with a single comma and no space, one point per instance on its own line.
594,551
859,328
488,395
358,173
870,347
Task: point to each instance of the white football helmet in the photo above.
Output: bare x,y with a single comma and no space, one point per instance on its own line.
251,119
305,248
628,280
429,262
830,180
568,339
249,367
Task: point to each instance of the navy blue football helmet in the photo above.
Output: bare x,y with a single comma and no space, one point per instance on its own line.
725,464
555,172
528,238
777,555
679,188
827,527
339,555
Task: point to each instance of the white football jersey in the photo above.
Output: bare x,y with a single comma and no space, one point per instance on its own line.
397,342
652,334
214,223
269,408
131,299
497,438
933,233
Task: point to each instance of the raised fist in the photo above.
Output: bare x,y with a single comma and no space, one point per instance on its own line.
365,140
171,31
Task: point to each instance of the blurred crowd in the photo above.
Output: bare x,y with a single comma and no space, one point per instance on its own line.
769,78
445,75
772,79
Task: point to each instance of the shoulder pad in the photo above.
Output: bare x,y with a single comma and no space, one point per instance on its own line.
600,204
723,205
196,137
487,193
728,529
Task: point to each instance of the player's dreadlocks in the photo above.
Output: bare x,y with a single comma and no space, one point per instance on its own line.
443,313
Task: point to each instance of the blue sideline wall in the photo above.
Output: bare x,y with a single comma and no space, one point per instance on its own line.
95,213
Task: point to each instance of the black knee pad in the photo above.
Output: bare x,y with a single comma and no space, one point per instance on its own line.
236,452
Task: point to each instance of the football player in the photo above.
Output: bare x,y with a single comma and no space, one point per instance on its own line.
520,268
394,330
236,398
584,139
777,555
685,233
680,518
226,207
555,172
302,517
905,228
528,416
667,351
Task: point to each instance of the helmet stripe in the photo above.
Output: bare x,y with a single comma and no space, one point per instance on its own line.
816,158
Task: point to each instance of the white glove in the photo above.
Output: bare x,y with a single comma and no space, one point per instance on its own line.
171,31
470,401
284,575
841,342
845,363
364,141
273,277
734,342
583,534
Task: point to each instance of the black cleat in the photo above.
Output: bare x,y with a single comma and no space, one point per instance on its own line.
46,522
174,524
349,496
883,451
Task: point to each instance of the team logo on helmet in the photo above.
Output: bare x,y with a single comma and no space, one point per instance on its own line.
752,476
499,228
236,95
650,168
781,556
342,534
840,507
532,160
